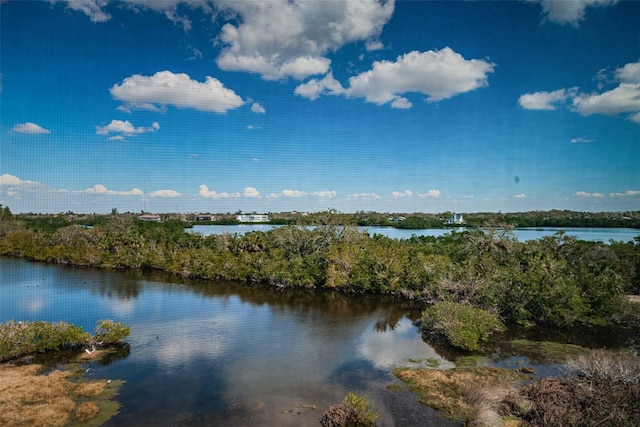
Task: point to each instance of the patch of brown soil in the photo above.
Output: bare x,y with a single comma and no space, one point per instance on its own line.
30,399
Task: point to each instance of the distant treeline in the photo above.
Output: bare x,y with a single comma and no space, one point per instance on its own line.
553,218
556,280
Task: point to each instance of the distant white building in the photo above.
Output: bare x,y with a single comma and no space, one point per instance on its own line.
253,218
456,219
150,217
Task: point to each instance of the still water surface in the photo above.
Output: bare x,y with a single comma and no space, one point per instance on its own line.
217,354
522,234
234,355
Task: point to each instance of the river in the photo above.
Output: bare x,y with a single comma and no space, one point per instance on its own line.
219,354
234,355
522,234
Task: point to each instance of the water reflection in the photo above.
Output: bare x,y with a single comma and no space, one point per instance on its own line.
207,353
223,353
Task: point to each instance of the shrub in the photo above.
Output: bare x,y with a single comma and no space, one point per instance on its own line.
604,365
354,411
22,338
464,326
110,332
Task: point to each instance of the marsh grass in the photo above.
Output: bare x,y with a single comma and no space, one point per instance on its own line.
472,395
548,352
30,398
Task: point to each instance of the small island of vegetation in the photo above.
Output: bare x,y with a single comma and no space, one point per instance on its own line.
33,396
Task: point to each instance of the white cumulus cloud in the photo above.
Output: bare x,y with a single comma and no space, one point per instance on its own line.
438,74
179,90
628,193
623,99
30,128
100,189
585,194
520,196
284,38
251,193
545,100
433,193
257,108
165,193
398,194
208,194
569,11
124,128
92,8
7,180
364,196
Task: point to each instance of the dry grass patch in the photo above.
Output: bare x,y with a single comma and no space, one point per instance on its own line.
28,398
466,394
86,411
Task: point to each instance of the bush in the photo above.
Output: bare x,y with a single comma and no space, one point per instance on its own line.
463,326
604,365
354,411
22,338
110,332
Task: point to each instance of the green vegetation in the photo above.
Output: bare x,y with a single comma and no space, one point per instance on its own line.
110,332
558,280
464,326
355,411
21,338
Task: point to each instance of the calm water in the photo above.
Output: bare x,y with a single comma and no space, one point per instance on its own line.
522,234
233,355
216,354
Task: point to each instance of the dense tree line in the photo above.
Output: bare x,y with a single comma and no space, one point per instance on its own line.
556,280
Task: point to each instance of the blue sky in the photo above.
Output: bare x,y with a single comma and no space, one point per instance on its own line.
268,106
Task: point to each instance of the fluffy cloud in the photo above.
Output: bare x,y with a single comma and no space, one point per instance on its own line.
312,89
520,196
7,180
207,194
433,193
588,195
438,74
364,196
165,193
282,38
628,193
545,100
179,90
623,99
92,8
257,108
251,193
398,194
293,193
327,194
30,128
124,128
569,11
581,140
100,189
